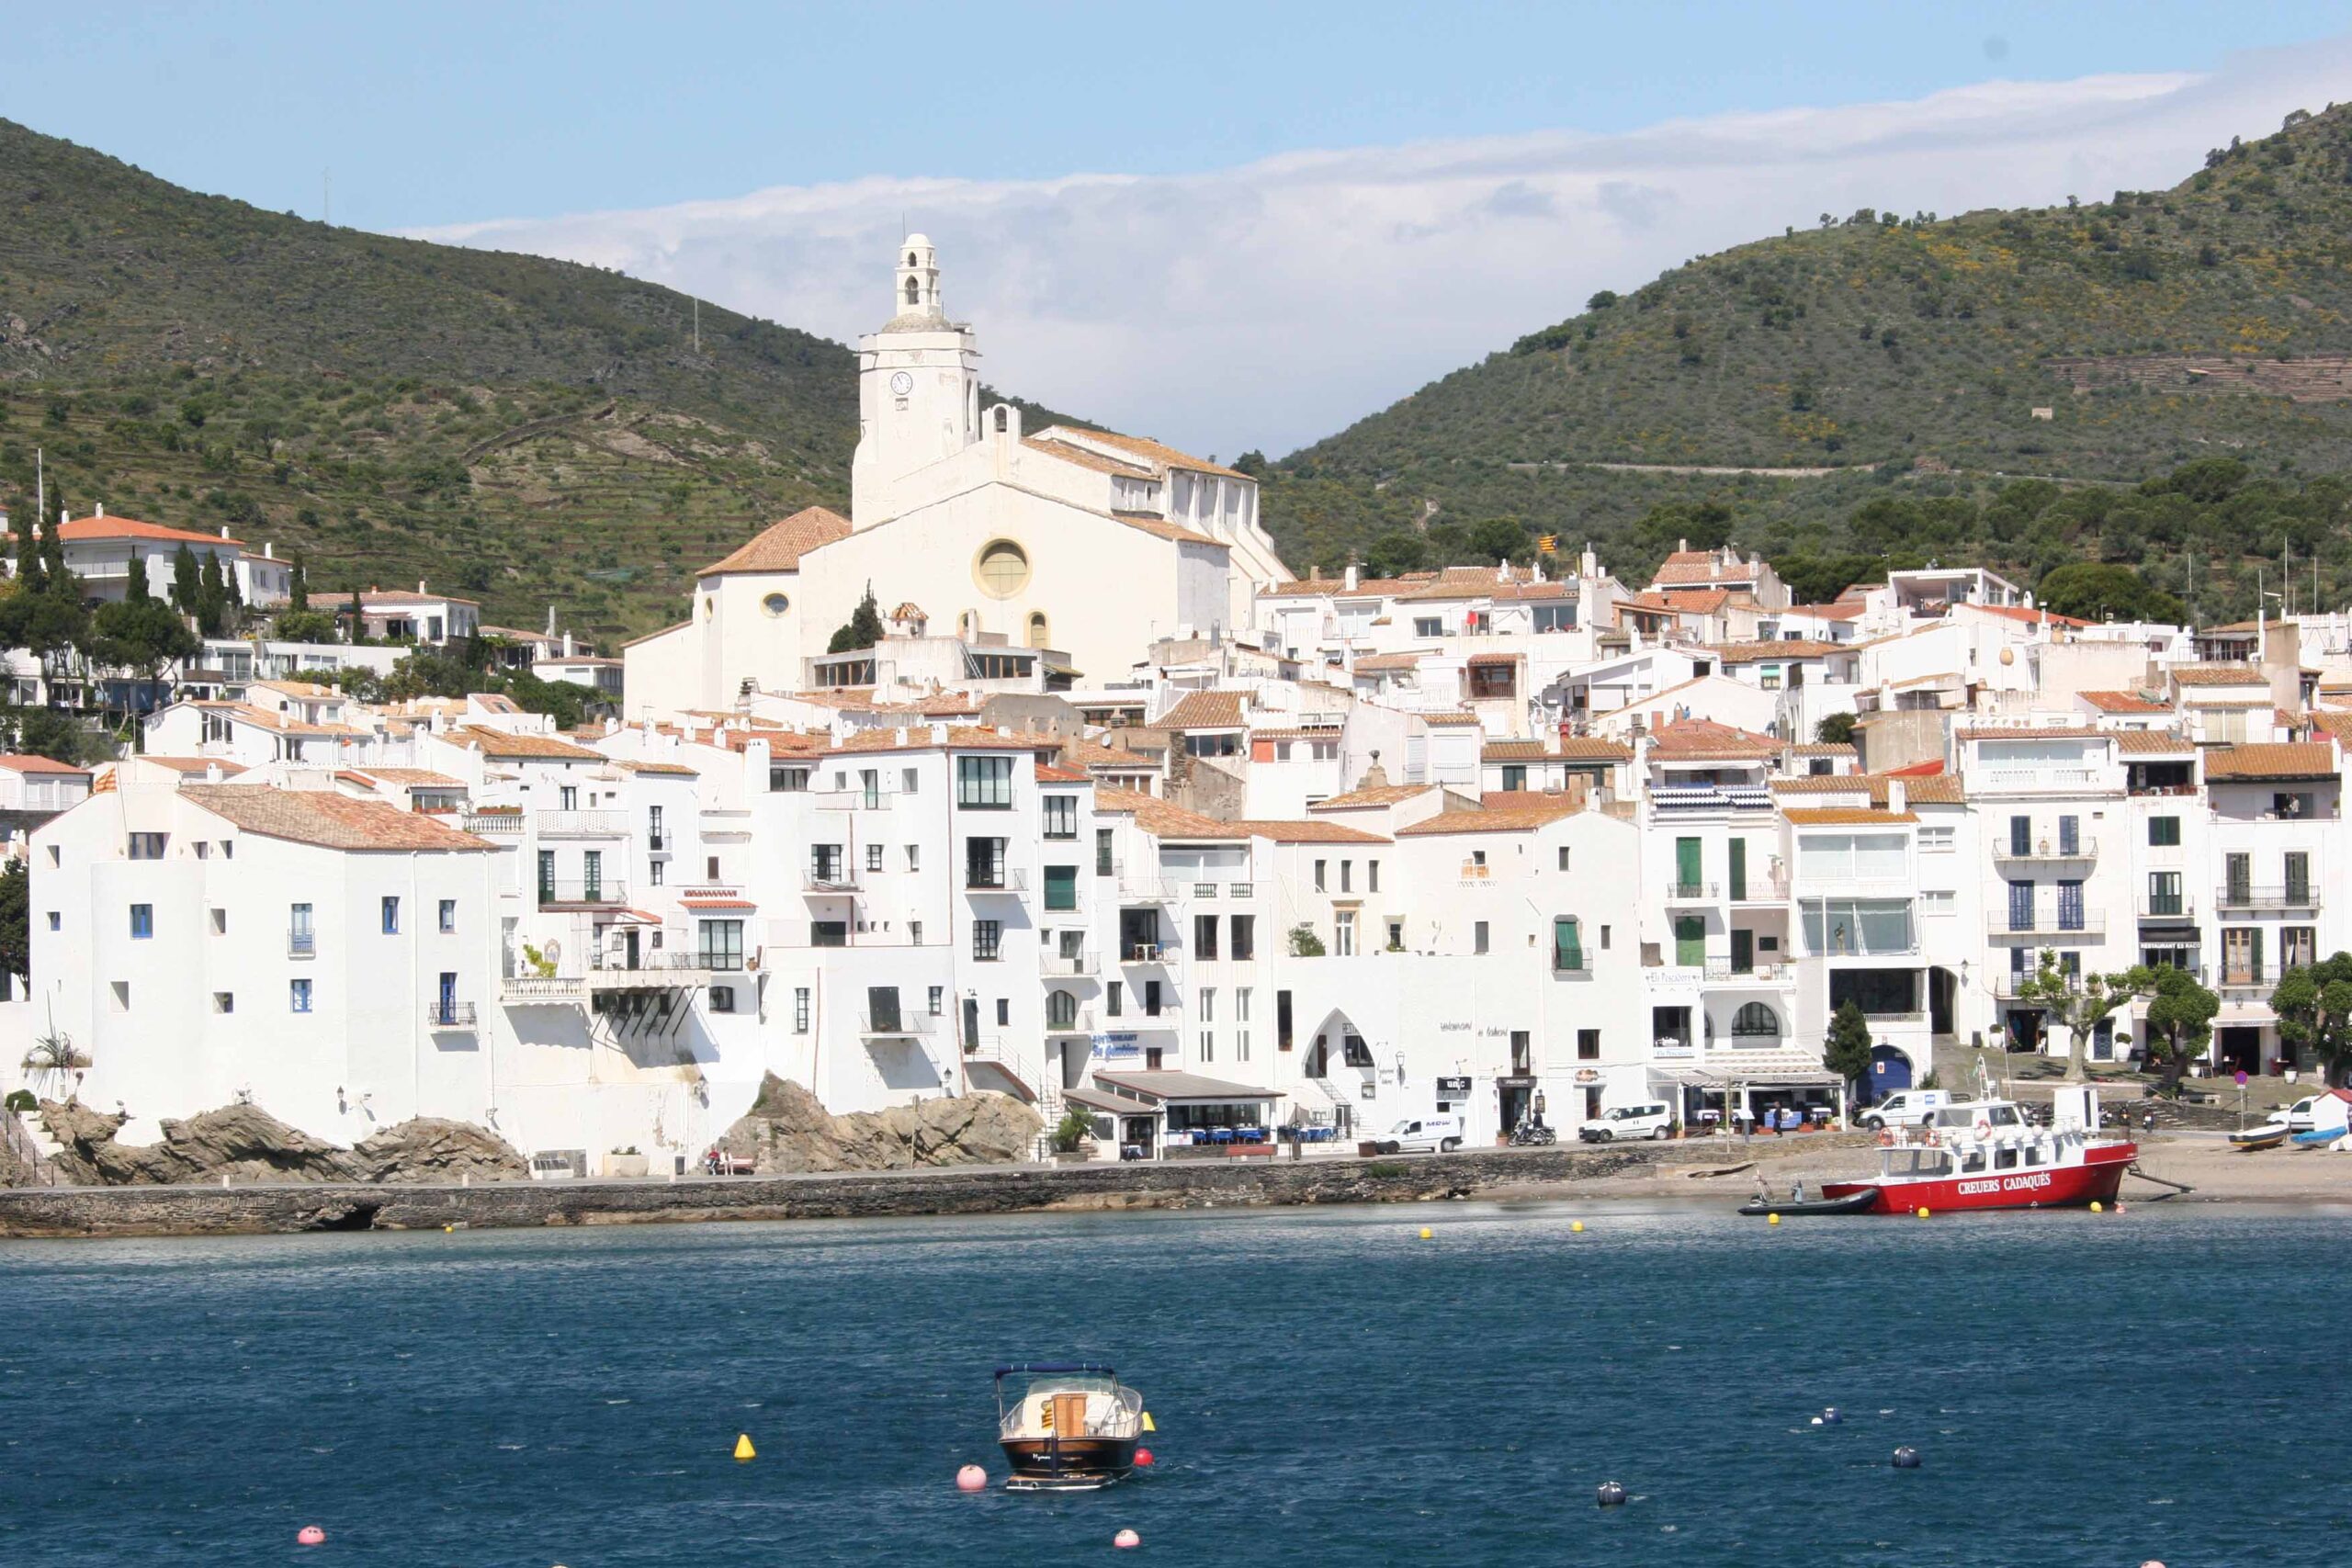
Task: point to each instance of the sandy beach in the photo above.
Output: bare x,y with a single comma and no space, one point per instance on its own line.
2204,1162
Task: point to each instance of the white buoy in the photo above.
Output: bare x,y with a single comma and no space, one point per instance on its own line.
1126,1539
971,1478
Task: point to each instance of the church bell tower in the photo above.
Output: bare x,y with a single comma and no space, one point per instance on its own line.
918,388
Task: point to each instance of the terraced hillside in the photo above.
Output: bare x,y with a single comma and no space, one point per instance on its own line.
534,430
2108,341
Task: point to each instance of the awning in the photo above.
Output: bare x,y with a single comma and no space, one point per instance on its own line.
1052,669
2243,1017
1782,1074
1117,1105
1166,1086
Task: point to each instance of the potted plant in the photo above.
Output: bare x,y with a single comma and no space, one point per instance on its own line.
1073,1139
625,1161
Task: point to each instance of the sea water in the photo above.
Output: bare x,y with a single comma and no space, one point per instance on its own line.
1328,1387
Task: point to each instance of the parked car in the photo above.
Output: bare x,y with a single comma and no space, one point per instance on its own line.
1907,1108
1423,1135
1650,1119
2298,1116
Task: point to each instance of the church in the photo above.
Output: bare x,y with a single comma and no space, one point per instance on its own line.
1077,540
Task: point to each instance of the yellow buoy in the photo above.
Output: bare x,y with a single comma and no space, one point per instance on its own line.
1149,1424
1923,1211
1577,1225
1771,1219
2095,1206
743,1448
1426,1233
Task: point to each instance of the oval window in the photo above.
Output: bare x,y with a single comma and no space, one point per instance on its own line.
775,603
1004,568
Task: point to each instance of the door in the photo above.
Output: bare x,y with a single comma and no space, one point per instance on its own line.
2069,907
1690,941
1739,868
971,1023
2299,876
2070,835
448,1012
2239,873
629,948
1686,865
1743,951
2020,905
1890,1071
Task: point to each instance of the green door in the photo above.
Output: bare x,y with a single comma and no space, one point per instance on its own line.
1690,941
1742,947
1686,862
1738,870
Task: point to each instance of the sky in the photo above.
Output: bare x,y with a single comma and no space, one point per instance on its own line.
1229,226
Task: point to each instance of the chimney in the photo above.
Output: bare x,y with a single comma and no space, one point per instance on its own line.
269,551
1352,576
63,517
1682,547
1897,796
224,527
420,581
101,511
1502,570
939,734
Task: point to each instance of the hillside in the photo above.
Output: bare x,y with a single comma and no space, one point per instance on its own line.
527,430
1923,358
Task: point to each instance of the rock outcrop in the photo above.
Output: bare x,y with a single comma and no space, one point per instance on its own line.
247,1144
787,1129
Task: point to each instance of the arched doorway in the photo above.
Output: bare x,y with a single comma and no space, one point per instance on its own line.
1890,1071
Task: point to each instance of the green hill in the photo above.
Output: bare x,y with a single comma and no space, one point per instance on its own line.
525,431
1928,361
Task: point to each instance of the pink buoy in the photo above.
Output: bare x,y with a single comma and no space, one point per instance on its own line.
1126,1539
971,1478
1143,1458
311,1535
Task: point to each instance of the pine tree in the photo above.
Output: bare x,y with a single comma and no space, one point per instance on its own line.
185,586
29,577
863,628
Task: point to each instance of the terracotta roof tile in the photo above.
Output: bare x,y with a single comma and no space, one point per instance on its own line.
1161,819
1823,749
1206,710
2153,742
132,528
18,763
1382,663
2123,702
1758,652
1529,812
2275,760
1843,817
1287,832
2216,675
1377,796
1513,751
1159,527
329,821
780,545
1152,454
1592,749
1918,789
1443,719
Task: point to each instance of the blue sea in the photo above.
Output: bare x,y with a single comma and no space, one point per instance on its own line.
1328,1387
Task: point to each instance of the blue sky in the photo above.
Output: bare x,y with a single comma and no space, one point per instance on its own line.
1226,225
440,113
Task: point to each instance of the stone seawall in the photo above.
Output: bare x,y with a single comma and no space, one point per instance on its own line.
349,1206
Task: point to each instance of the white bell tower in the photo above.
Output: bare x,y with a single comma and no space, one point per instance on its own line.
918,388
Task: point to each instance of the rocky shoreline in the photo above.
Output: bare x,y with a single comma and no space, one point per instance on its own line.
286,1208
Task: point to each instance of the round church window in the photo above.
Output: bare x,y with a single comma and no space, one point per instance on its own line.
1004,568
775,603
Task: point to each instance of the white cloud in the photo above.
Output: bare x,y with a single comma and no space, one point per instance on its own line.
1268,305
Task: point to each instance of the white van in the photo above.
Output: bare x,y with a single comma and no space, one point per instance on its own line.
1909,1108
1650,1119
1421,1135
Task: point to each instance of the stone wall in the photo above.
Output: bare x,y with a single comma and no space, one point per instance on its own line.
173,1210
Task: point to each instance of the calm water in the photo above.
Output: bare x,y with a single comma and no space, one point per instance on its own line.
1327,1386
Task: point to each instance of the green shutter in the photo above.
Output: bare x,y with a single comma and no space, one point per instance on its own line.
1690,941
2257,952
1061,887
1567,946
1686,862
1739,868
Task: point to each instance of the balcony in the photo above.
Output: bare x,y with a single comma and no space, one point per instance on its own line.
2294,896
830,876
1079,1022
1142,886
1695,800
656,970
995,879
1070,964
1760,890
1721,975
1157,954
2168,907
527,990
582,894
492,824
580,824
2047,925
302,944
1693,892
903,1024
2043,852
876,799
451,1016
2035,780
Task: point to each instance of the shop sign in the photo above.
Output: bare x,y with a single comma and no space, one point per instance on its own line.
1587,1074
1453,1086
1117,1047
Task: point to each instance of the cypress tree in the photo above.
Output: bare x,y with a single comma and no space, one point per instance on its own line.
134,587
298,592
184,587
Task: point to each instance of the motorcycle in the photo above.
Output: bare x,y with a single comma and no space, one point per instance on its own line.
1531,1134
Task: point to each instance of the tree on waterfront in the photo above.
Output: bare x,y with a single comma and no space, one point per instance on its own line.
2076,1003
2177,1022
1846,1051
2313,1002
16,922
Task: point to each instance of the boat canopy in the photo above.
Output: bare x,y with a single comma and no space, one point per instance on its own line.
1101,1369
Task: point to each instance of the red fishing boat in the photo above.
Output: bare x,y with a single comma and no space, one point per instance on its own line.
1984,1153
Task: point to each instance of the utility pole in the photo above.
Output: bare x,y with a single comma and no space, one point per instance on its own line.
697,326
326,197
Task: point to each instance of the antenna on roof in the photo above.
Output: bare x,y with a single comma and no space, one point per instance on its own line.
326,196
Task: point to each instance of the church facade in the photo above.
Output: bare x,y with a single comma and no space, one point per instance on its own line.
1080,540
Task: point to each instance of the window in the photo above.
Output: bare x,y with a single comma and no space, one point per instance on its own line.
567,797
1061,887
1347,876
1208,1045
1003,1012
1343,933
1567,945
1936,840
1556,617
1244,946
653,839
1563,857
787,781
719,945
1755,1021
984,862
1587,1044
56,920
449,916
2164,893
722,998
1478,936
298,996
1003,570
1205,937
224,1002
935,1000
147,846
658,872
391,914
1428,626
120,995
2298,947
1103,864
2163,832
592,876
1113,997
300,942
988,941
1319,874
1396,936
1354,1052
825,867
874,857
984,784
828,933
1934,901
1768,677
142,921
2298,867
1061,817
1208,1004
1372,876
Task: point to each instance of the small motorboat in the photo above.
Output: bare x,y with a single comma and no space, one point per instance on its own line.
1852,1204
2269,1136
1066,1425
2319,1137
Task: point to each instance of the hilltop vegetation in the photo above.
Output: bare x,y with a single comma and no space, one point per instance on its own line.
1931,362
525,431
